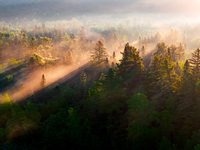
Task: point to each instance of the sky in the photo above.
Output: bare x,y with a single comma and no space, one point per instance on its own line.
152,9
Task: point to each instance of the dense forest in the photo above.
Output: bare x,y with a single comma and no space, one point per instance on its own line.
79,85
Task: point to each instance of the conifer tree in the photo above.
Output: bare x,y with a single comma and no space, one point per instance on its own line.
114,55
173,51
142,51
161,48
99,54
195,62
186,92
161,82
177,69
83,78
102,77
43,81
181,52
130,60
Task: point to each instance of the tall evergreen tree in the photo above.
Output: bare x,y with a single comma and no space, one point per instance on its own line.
83,78
142,51
130,60
161,48
177,69
43,81
186,93
99,54
195,62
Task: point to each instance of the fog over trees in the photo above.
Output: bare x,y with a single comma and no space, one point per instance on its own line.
84,74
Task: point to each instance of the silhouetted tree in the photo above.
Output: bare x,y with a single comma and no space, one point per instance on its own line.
43,81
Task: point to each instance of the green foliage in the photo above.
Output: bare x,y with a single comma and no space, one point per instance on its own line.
165,144
161,48
36,60
137,102
165,122
33,44
67,129
45,40
99,54
2,135
195,62
197,147
6,110
193,141
130,60
83,78
66,37
15,121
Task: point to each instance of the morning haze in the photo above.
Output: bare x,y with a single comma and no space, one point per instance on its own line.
85,74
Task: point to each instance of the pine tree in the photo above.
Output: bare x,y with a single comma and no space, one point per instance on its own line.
161,48
142,51
99,54
195,62
43,81
161,82
173,50
181,52
102,77
114,55
177,69
186,67
186,92
130,60
83,78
